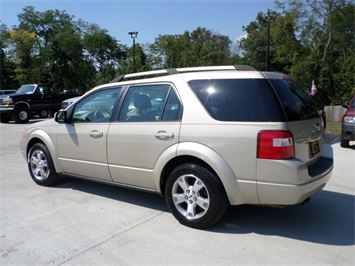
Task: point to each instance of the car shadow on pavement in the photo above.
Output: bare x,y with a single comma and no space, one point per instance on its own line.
333,139
136,197
327,219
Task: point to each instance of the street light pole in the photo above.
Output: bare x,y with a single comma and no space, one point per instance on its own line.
134,35
267,46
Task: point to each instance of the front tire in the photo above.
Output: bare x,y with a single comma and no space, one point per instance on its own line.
344,143
40,165
5,118
195,196
21,115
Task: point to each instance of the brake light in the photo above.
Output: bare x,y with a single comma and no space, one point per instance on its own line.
275,144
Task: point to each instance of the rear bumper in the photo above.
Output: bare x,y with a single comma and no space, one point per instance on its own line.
295,181
284,194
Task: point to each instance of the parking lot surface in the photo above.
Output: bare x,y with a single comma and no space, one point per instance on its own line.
77,222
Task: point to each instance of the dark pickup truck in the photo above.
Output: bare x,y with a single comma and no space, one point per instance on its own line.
29,100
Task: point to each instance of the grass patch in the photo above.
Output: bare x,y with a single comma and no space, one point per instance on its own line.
333,128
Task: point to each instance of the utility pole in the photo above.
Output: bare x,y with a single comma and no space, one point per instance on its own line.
267,47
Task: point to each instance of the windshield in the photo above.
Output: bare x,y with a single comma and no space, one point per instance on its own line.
353,103
27,89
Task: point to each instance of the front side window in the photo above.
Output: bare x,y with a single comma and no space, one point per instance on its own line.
97,107
147,103
43,90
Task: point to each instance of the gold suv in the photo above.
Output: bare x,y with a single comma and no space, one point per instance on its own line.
203,137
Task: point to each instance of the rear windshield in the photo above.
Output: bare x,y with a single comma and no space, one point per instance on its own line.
238,99
297,103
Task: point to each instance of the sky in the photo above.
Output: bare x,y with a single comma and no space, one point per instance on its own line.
150,18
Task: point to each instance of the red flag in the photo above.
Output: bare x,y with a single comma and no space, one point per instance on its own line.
313,89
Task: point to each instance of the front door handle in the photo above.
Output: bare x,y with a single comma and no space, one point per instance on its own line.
96,134
163,135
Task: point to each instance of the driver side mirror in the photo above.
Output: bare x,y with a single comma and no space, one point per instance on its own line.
345,105
61,117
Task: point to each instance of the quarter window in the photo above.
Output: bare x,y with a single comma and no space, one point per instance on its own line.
231,99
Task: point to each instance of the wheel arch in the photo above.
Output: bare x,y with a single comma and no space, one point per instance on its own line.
45,140
22,104
206,157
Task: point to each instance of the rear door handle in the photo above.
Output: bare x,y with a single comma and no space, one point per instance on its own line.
96,134
163,135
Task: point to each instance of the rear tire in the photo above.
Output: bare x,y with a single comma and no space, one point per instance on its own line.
43,114
195,196
41,166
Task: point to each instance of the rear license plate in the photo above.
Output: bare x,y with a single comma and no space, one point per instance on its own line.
314,148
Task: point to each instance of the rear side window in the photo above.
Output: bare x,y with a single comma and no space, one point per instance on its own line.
296,103
148,103
232,99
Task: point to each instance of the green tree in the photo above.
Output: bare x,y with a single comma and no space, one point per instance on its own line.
324,29
102,49
271,43
338,73
7,66
254,46
68,54
166,51
25,69
309,40
58,52
201,47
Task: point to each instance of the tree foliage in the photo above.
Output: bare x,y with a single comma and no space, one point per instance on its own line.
307,39
7,65
200,47
326,33
52,47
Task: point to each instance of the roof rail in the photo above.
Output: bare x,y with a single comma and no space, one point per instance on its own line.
172,71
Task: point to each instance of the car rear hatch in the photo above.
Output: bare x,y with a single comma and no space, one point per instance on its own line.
303,119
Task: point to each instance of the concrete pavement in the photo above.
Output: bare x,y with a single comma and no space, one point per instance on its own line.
82,223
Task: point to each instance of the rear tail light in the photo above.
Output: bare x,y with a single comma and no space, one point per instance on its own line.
275,144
